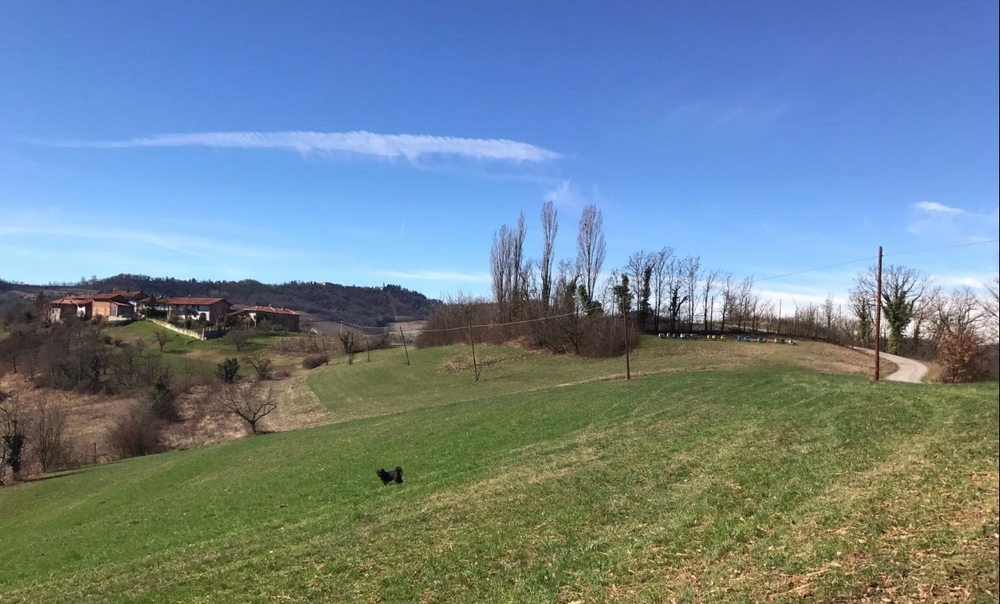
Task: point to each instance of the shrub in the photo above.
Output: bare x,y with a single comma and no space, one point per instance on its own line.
134,433
227,370
49,443
261,364
238,338
961,355
163,399
315,360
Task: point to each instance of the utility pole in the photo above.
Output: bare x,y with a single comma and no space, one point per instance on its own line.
878,313
472,339
779,317
403,338
628,367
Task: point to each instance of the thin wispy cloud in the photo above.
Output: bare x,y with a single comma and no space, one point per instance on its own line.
410,146
933,206
183,244
940,220
430,275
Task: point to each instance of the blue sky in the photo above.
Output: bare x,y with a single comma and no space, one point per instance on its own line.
367,143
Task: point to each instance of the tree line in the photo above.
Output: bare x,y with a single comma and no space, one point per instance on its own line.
564,305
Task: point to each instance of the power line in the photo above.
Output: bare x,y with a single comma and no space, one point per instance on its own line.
473,326
808,270
947,247
932,249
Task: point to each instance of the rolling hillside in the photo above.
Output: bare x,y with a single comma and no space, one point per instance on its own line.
369,306
758,481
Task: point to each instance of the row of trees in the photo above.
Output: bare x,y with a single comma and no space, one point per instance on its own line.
563,304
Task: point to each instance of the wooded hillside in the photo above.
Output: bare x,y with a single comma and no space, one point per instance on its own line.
374,306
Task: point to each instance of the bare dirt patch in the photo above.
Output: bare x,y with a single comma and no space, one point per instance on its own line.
828,358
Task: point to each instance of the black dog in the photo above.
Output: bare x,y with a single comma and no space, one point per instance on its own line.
387,477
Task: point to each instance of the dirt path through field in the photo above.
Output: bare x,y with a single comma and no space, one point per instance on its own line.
909,370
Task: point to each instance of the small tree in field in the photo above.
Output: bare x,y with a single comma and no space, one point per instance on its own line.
239,338
163,399
48,436
134,433
12,436
261,364
227,370
162,338
349,341
250,401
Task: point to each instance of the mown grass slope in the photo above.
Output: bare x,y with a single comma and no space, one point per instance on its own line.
731,485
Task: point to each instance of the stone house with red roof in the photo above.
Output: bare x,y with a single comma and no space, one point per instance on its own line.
279,318
203,309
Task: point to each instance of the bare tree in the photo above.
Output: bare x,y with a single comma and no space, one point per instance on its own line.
828,307
349,340
550,226
659,282
238,337
590,247
960,310
707,286
991,305
691,270
746,304
134,433
520,269
640,269
500,266
264,366
162,337
674,276
508,269
48,437
728,298
125,367
250,401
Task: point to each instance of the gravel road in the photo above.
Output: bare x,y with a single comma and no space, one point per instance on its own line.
909,370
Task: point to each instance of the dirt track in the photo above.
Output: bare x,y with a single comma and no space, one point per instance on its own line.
909,370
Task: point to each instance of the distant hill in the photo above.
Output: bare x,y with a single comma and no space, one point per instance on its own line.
369,306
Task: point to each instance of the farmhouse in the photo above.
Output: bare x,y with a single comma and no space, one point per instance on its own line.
111,306
115,306
280,318
72,306
204,309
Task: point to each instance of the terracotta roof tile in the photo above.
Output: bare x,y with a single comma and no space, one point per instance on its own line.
267,309
193,301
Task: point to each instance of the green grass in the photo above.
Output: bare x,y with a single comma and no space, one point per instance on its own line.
709,486
445,374
188,356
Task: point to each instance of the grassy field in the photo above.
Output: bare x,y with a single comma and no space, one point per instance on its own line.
445,374
188,356
761,481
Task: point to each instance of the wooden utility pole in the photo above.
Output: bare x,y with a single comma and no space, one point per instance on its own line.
403,338
472,339
878,312
628,367
779,317
368,348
